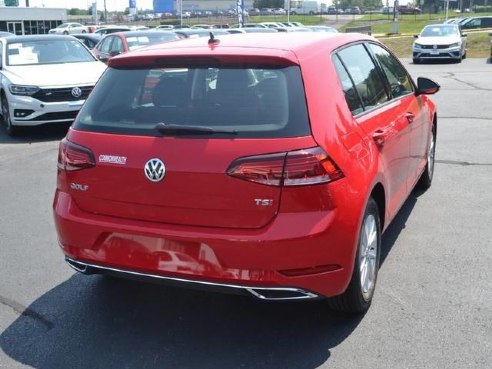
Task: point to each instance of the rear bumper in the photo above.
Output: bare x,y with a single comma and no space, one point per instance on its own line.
297,256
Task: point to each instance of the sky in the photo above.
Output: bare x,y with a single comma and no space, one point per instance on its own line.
111,5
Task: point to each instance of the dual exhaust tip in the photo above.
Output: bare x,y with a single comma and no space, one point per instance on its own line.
262,293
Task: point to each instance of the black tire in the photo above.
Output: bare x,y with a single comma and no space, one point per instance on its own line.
65,32
358,296
416,61
425,180
7,122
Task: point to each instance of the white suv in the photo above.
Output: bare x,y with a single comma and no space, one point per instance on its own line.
44,79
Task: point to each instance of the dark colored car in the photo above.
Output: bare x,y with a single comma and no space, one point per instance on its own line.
88,39
263,165
407,9
477,22
120,42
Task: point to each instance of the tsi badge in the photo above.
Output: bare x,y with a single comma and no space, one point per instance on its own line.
79,187
155,170
264,202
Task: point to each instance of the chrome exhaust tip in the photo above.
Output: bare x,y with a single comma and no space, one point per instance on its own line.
78,267
281,294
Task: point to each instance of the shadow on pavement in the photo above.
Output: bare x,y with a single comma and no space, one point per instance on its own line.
100,322
45,132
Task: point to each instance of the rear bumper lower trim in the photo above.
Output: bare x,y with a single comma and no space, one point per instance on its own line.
262,293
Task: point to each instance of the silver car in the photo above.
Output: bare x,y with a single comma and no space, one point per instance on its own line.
44,79
440,41
68,28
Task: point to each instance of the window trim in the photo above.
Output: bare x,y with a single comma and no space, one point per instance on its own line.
391,99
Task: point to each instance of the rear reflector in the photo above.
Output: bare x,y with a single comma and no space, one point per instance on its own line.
74,157
308,271
293,168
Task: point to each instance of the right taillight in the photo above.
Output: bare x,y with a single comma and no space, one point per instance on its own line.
293,168
74,157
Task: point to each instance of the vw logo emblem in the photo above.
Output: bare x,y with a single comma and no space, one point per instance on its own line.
155,170
76,92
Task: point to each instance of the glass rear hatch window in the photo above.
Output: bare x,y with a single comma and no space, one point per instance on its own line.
254,102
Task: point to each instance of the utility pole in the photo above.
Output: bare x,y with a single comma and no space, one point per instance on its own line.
105,13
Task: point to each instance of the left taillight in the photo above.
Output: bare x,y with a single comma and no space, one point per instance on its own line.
294,168
73,157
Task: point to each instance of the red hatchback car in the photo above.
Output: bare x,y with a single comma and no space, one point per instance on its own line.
268,165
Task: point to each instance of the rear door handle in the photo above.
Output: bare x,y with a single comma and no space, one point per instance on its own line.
410,117
379,136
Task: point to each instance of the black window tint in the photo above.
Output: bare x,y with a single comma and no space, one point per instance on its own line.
254,102
351,96
365,75
397,76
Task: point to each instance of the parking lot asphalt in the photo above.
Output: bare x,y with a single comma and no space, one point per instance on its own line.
432,307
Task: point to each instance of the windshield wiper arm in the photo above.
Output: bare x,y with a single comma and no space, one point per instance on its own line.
190,130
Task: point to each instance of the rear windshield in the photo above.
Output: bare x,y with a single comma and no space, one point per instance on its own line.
250,102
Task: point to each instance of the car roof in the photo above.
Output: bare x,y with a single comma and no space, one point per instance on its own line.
288,46
37,37
142,33
92,36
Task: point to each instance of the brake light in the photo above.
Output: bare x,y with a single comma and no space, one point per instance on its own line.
73,157
293,168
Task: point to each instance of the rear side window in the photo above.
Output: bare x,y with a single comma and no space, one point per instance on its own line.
364,75
398,78
251,102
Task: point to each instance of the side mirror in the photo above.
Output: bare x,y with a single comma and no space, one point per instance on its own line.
464,35
114,53
103,58
426,86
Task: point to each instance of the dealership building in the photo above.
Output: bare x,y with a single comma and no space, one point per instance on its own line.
30,21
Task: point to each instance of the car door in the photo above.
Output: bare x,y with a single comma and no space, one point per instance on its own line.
104,48
412,114
380,118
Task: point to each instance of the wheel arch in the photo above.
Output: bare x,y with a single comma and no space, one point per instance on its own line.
379,196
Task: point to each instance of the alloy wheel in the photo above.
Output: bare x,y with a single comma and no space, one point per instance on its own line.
368,256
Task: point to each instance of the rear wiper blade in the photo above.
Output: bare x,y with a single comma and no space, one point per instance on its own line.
190,130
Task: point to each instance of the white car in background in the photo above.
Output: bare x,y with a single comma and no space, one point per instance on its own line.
440,41
68,28
44,79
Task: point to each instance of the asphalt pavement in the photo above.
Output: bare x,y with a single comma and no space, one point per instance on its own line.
432,307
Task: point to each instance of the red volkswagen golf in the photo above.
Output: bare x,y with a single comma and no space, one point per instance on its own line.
267,165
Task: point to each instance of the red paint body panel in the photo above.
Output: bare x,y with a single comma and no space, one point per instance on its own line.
199,223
